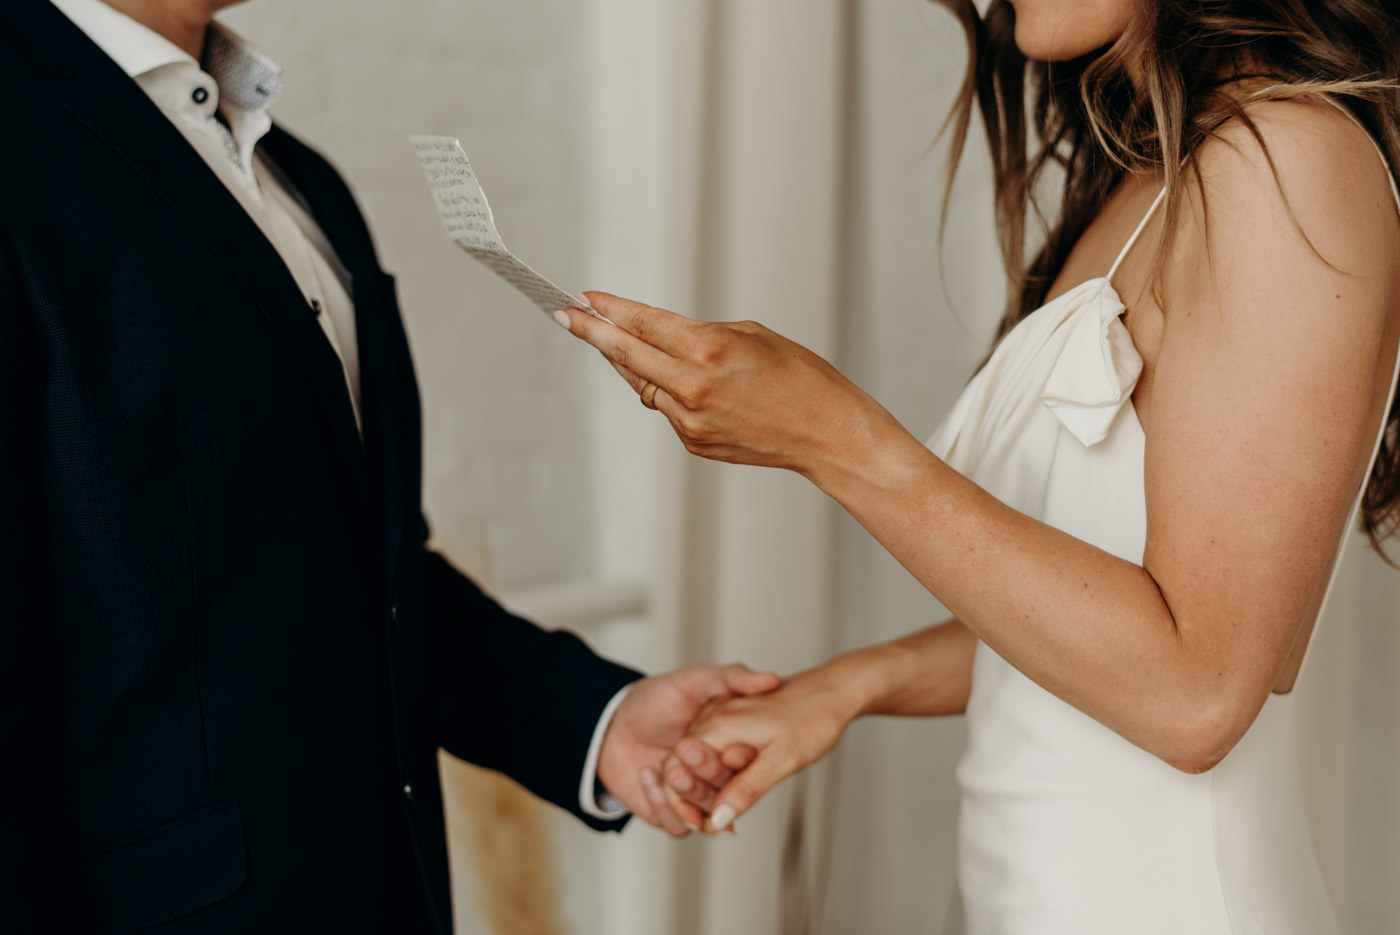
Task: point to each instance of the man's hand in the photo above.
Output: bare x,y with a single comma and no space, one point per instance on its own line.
652,719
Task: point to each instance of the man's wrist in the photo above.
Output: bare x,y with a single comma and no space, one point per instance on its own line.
594,798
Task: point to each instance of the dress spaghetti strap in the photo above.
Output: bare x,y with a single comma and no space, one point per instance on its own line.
1136,233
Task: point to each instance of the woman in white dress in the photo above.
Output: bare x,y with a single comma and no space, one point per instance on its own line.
1136,507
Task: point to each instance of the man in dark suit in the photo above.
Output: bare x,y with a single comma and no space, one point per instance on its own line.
229,658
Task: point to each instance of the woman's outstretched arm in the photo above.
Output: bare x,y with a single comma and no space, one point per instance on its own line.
1267,393
927,673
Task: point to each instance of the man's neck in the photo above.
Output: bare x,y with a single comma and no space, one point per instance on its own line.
183,22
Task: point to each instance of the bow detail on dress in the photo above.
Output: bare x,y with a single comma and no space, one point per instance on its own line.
1098,366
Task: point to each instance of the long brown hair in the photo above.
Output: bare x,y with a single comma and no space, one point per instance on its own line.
1092,123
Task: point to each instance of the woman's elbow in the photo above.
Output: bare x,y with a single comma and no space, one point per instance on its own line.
1204,734
1195,765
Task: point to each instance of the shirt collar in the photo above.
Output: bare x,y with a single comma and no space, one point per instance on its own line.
246,78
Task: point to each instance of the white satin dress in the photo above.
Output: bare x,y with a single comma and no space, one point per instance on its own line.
1065,827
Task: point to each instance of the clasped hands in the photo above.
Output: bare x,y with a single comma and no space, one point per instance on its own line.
696,748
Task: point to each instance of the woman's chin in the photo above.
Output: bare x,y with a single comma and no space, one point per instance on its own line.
1060,30
1039,47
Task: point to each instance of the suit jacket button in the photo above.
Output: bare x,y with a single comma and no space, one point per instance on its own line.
394,613
408,792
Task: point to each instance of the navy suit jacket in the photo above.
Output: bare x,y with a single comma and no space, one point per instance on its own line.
226,655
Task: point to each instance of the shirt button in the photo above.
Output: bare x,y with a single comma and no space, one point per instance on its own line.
199,95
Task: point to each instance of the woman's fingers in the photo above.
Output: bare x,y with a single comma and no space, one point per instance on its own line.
624,349
742,792
691,806
655,326
705,763
660,399
751,772
681,780
694,775
693,816
735,391
737,757
695,772
789,728
666,816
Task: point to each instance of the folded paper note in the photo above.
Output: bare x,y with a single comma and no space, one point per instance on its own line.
465,213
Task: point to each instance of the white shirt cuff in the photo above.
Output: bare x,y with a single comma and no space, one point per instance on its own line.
603,805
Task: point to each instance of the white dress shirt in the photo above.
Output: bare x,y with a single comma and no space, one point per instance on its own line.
221,107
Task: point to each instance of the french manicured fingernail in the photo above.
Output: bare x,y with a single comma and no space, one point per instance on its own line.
691,754
681,781
563,318
721,818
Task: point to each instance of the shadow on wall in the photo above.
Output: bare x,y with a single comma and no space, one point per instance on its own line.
502,853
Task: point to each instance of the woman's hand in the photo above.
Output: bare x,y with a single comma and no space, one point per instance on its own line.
790,729
653,717
734,392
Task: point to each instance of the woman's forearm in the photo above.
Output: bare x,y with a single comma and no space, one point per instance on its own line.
927,673
1089,627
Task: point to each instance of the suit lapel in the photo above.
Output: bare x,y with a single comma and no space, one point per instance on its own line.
376,310
100,96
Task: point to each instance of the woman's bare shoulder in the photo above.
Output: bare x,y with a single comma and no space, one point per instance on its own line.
1305,160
